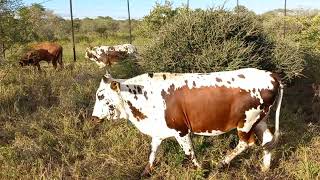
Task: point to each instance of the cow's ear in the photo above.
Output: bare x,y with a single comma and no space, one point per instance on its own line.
114,85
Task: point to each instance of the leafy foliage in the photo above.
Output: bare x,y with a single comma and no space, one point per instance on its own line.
302,31
8,35
215,40
44,132
159,16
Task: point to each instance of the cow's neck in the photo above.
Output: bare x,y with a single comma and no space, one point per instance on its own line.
128,107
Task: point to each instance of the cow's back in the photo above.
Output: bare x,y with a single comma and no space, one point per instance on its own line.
53,48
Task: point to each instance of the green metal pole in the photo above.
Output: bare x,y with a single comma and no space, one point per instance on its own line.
72,32
130,35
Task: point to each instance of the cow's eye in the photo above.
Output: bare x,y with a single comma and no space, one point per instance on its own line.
101,97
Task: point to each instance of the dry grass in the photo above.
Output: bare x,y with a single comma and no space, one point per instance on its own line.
44,134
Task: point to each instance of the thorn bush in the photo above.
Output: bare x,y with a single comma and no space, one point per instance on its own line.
216,40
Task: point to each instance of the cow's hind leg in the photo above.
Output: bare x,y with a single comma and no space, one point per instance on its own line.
264,134
245,140
186,145
154,146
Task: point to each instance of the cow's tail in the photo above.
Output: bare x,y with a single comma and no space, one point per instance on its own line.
276,134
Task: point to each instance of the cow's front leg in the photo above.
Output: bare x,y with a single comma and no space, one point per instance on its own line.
186,145
154,146
37,65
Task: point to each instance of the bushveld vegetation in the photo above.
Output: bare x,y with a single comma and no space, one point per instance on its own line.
44,132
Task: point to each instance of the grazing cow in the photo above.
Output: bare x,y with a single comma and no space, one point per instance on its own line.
49,52
108,55
164,105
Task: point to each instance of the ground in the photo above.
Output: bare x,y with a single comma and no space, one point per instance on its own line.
44,133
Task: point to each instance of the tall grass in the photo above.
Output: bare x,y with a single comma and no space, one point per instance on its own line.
44,133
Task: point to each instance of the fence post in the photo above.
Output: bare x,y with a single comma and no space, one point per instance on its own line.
130,35
284,22
72,32
188,4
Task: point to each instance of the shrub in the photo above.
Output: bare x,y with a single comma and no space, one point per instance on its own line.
215,40
160,15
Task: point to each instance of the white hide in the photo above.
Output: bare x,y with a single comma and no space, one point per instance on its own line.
99,50
129,48
252,115
186,145
266,160
154,106
155,143
211,133
240,148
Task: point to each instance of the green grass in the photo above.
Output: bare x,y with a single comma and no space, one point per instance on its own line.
44,132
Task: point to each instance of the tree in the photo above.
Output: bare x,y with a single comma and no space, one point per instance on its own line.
8,24
39,23
101,25
160,15
101,30
310,36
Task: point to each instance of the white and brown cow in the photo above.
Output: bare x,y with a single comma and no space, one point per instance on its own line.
164,105
108,55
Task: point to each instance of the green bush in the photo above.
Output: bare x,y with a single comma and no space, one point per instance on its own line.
215,40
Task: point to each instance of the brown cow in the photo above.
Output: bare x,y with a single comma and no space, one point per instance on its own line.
49,52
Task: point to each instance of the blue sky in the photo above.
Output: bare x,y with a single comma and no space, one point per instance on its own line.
139,8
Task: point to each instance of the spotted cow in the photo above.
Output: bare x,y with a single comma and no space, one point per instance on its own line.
108,55
164,105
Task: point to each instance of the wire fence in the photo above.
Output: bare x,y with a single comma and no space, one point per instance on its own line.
136,9
187,3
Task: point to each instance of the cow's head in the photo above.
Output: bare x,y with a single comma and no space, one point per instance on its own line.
92,55
23,62
27,59
108,100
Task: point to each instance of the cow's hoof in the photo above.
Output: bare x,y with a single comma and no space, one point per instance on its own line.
186,162
205,165
264,169
222,165
147,171
192,163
